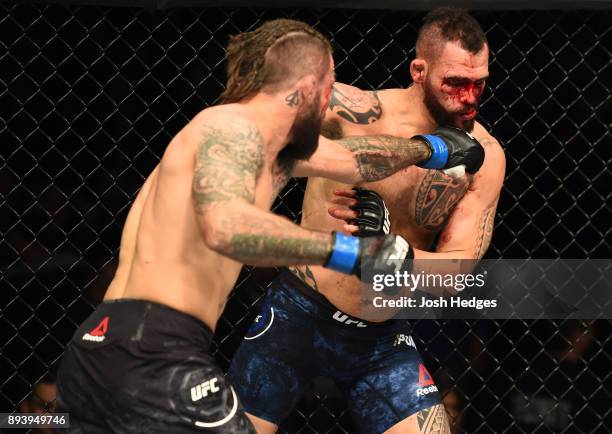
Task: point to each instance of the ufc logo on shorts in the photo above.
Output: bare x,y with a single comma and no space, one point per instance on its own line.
201,390
407,339
344,319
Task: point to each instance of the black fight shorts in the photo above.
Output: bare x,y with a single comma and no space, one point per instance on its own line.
136,366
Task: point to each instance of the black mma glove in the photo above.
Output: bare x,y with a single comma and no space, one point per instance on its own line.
365,257
451,147
373,216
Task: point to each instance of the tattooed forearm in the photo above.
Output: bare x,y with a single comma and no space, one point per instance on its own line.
228,162
282,247
485,230
381,156
355,105
261,249
433,420
307,276
257,237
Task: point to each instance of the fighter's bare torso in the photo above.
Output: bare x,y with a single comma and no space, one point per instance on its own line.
163,255
419,200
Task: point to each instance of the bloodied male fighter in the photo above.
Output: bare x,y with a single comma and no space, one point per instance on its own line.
310,323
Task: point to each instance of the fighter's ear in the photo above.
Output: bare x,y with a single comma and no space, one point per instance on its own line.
418,70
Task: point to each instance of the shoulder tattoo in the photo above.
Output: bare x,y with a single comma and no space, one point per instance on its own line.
356,106
228,163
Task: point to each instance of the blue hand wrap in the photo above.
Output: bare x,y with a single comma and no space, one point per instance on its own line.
344,253
439,153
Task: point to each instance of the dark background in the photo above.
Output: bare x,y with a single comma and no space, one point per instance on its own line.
91,96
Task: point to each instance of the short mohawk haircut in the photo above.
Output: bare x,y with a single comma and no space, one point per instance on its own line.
447,24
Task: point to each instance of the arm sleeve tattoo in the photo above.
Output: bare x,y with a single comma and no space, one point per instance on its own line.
437,196
228,163
380,156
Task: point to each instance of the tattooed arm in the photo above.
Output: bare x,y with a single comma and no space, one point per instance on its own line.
468,230
228,161
357,155
358,159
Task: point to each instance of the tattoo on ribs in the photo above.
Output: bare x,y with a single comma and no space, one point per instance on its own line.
433,420
485,230
306,276
380,156
228,163
293,99
436,198
357,107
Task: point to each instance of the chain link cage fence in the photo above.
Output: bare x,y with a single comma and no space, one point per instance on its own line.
91,96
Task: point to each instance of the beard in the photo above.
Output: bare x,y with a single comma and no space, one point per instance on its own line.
441,115
304,136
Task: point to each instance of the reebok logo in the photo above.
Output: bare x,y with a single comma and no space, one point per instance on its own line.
98,333
201,390
345,319
426,382
407,339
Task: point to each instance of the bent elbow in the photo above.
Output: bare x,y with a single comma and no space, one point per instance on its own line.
215,237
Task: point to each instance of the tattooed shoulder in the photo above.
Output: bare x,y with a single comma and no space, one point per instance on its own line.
229,159
355,105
